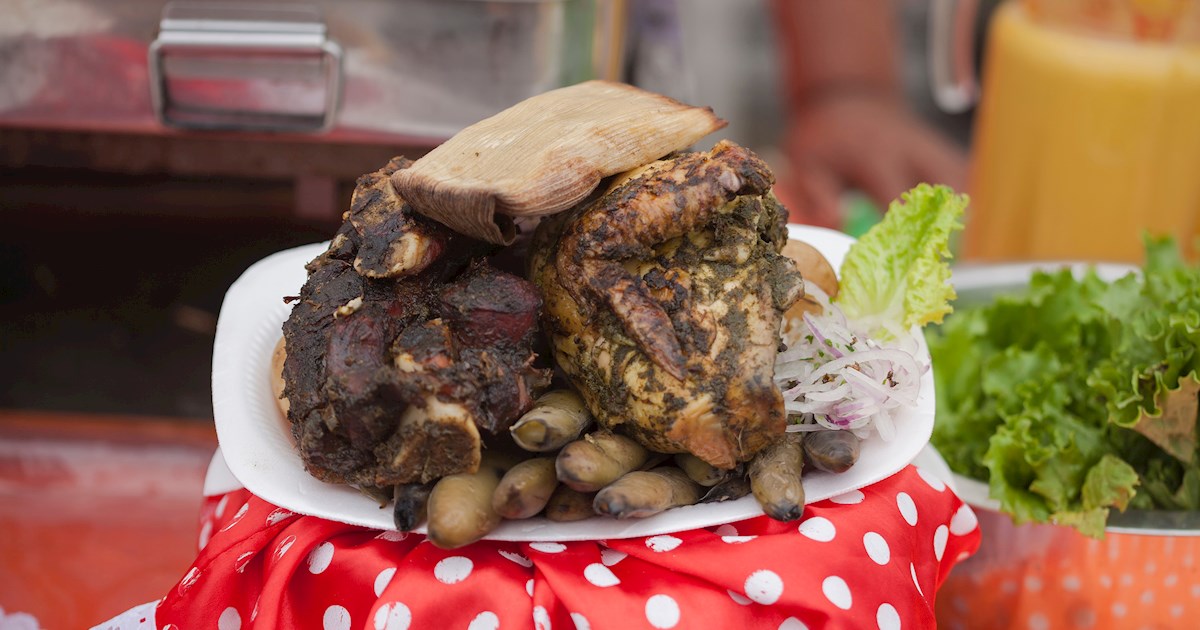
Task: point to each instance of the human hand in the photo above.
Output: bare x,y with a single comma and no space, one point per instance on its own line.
864,142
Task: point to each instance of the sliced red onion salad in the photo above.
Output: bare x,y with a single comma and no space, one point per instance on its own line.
833,376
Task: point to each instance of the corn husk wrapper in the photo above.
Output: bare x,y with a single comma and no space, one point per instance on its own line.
546,154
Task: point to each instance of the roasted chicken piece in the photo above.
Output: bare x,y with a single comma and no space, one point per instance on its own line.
404,346
663,303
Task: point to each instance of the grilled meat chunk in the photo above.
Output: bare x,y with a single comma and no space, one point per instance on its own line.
388,360
393,243
664,300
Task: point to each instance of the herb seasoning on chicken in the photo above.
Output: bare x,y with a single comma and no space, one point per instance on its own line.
663,301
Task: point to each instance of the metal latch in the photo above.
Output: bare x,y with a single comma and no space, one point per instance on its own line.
245,67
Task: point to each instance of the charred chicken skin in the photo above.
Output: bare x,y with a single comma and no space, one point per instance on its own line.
663,303
403,346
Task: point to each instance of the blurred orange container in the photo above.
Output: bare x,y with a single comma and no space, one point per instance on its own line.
1145,573
1088,130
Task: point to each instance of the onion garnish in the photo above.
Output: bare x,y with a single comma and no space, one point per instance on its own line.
835,377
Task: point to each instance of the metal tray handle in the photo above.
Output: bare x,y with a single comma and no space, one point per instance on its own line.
245,67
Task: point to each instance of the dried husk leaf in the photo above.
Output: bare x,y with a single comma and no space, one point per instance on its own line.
546,154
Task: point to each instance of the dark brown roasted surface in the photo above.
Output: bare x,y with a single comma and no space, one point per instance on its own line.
403,345
664,299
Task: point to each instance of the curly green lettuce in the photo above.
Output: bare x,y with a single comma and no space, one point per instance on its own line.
896,276
1076,396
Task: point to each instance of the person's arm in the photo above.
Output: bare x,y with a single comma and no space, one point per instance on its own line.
833,46
848,124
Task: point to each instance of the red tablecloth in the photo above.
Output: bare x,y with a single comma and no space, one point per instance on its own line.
866,559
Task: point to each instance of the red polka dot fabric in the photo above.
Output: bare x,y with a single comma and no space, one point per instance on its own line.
871,558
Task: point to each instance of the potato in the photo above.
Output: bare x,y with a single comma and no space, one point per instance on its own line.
597,460
460,507
567,504
699,470
557,418
645,493
411,500
816,271
832,451
775,478
813,266
525,488
278,356
735,486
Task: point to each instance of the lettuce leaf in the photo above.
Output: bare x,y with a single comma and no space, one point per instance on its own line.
1075,396
896,276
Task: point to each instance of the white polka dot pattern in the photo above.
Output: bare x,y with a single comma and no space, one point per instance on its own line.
205,534
764,587
383,579
230,619
931,478
486,620
738,598
877,548
610,557
663,543
284,546
771,572
336,618
393,616
908,508
887,618
726,530
279,516
189,580
517,558
242,561
940,536
662,611
1071,583
453,570
818,528
854,497
837,592
599,575
237,517
320,558
548,547
964,521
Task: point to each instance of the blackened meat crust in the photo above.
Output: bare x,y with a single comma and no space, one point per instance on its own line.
391,376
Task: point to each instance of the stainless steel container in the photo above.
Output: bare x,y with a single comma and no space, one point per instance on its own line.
362,68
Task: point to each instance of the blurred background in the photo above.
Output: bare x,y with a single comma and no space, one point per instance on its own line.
150,152
124,218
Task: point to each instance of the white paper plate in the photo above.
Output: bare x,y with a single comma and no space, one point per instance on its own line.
258,448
